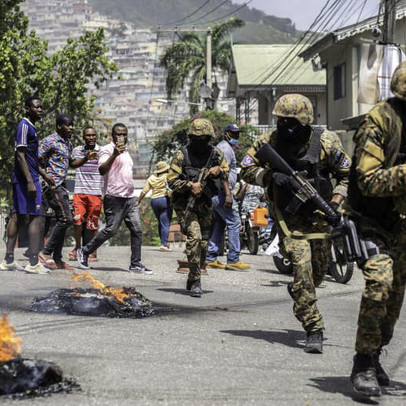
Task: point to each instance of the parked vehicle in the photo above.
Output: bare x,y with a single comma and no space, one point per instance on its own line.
249,233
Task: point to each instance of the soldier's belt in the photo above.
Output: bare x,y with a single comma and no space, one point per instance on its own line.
297,234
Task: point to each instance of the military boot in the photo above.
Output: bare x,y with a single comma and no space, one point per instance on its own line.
363,376
196,289
314,342
381,375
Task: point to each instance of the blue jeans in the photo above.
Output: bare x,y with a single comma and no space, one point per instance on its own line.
163,212
221,218
117,210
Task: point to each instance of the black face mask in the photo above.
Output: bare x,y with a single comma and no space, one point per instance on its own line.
199,144
293,134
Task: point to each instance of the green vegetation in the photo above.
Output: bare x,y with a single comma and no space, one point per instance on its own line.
60,80
261,28
170,141
187,58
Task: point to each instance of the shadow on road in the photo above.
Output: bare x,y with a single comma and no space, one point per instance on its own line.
104,268
289,338
276,284
183,292
342,384
273,271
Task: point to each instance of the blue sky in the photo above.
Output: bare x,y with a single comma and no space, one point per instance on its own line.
303,12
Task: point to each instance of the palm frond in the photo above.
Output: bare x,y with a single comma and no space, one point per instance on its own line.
223,28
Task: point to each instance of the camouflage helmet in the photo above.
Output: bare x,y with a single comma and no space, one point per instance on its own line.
296,106
201,126
398,83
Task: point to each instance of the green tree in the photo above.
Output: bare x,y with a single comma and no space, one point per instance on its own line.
170,141
60,80
187,58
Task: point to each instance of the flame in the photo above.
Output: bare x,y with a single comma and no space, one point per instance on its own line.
106,290
10,346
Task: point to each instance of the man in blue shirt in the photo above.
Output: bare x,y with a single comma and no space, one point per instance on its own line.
26,190
223,216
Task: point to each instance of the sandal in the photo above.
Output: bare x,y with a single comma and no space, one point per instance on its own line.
92,258
73,256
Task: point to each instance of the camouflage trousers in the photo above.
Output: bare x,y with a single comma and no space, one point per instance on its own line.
197,230
310,259
382,298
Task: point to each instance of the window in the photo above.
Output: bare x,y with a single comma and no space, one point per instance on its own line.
339,81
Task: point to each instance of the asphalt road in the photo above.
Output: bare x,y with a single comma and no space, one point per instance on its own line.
237,345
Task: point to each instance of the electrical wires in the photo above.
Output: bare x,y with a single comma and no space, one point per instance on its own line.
332,14
188,16
233,12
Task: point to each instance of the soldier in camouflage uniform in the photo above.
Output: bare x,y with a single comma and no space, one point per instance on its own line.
377,195
304,235
184,170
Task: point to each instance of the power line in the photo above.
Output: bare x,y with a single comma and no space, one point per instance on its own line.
285,58
286,75
190,15
233,12
208,13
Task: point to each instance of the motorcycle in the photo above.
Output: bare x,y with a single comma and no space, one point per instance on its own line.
249,233
339,268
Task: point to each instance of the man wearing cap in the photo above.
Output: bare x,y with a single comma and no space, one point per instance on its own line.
223,216
190,161
303,232
160,201
377,196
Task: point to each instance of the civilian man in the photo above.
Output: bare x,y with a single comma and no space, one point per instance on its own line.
120,203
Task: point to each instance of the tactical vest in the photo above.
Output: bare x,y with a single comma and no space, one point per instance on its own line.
191,171
381,210
309,164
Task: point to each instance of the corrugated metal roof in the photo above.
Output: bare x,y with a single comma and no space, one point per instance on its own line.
264,65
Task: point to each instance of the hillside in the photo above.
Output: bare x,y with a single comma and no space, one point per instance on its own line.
260,27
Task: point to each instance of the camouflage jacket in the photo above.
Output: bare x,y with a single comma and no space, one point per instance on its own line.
181,186
333,158
377,146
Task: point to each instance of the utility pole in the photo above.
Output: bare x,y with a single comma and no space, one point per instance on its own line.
208,58
389,22
208,48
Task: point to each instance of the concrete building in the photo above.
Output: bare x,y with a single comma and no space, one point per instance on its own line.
339,53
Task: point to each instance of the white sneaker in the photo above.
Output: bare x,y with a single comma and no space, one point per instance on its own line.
14,266
36,269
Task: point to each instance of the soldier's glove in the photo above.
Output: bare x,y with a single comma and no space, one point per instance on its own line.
281,180
267,179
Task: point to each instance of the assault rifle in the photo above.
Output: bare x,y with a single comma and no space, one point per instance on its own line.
302,188
344,232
